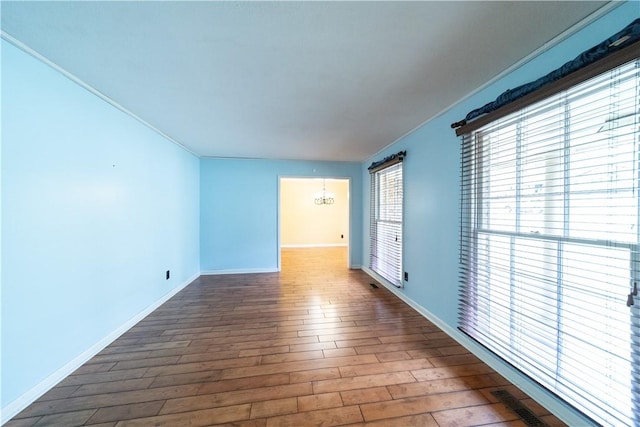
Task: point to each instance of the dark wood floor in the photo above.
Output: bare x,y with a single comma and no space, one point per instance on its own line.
313,345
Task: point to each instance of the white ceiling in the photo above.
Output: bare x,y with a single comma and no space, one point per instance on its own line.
287,80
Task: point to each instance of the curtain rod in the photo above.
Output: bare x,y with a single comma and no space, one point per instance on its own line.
387,161
589,63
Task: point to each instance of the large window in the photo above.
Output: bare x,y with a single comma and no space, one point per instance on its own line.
386,223
549,250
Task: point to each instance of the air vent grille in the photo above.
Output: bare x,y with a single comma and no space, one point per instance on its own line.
516,406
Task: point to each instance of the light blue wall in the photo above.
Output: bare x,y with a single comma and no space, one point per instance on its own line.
95,208
239,210
431,173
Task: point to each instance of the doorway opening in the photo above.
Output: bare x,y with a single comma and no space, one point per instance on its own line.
314,219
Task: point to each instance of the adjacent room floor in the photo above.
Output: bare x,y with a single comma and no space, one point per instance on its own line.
313,345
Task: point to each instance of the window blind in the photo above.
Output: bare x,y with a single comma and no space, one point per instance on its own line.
549,243
386,222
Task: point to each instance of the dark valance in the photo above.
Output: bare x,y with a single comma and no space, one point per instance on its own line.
387,161
627,37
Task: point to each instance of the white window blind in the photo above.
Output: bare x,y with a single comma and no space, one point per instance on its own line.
549,243
386,223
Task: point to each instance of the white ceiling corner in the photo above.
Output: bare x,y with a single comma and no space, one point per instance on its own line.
287,80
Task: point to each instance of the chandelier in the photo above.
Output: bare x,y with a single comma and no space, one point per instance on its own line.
324,197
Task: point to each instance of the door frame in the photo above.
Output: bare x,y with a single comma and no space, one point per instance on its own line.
279,213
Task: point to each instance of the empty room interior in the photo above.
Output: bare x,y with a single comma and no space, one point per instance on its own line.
320,213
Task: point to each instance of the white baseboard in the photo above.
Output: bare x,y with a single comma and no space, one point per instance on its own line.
239,271
453,333
13,408
381,279
315,245
560,410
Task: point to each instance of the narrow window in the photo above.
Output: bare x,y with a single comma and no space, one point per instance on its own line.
386,221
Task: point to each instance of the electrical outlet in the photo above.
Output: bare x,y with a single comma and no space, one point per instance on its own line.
342,236
168,275
406,276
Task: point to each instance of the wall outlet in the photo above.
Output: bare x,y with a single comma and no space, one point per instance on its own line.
342,236
168,274
406,276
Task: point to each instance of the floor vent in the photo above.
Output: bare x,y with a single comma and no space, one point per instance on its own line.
373,285
516,406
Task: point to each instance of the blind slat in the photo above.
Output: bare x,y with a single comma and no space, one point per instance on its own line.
386,222
549,242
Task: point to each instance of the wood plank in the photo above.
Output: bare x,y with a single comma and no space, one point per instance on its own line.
312,345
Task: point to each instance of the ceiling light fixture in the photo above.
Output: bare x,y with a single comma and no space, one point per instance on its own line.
324,197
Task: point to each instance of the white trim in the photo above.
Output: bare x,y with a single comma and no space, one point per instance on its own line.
380,279
19,404
239,271
605,9
564,412
316,245
350,211
279,221
20,45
